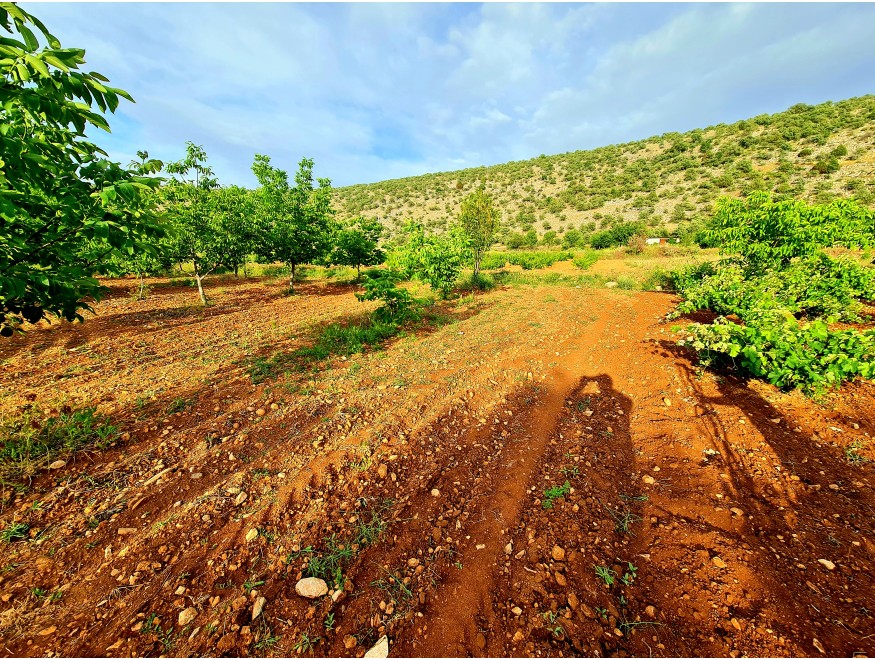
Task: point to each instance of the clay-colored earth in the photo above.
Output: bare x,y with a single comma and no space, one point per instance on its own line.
471,482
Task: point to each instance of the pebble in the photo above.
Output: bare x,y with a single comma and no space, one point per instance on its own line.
260,412
508,549
648,479
124,531
251,534
187,616
258,607
557,553
650,611
827,564
518,636
311,588
737,511
47,631
349,642
572,601
382,471
435,492
413,562
818,645
517,610
241,498
719,563
57,465
380,649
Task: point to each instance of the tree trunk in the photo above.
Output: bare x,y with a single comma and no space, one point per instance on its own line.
476,265
292,278
245,274
140,296
236,268
358,268
200,288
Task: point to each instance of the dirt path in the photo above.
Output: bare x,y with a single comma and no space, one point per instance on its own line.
467,482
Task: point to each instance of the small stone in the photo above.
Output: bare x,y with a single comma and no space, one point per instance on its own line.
187,616
719,563
124,531
648,479
380,649
311,588
260,602
180,590
251,535
435,492
557,553
667,401
518,636
560,579
349,642
47,631
382,471
260,412
197,475
57,465
827,564
241,498
274,406
480,641
572,601
650,611
508,549
818,645
735,623
517,610
737,511
413,562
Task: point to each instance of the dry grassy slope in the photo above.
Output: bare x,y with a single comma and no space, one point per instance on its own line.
659,180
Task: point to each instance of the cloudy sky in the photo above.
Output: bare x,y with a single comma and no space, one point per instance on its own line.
379,91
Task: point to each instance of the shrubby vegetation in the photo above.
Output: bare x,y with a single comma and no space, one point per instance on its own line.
781,296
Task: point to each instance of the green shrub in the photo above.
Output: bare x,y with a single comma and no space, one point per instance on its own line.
586,259
527,260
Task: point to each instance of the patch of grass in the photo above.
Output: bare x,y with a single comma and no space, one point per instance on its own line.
630,574
14,531
306,643
329,565
586,259
335,339
852,453
623,519
178,405
606,574
554,493
328,624
30,442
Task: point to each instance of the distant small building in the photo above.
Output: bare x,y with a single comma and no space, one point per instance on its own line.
662,241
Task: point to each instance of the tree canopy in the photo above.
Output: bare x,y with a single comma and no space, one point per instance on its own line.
64,207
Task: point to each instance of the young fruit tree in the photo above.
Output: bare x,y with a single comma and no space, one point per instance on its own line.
294,224
232,213
355,244
187,197
479,220
64,208
436,260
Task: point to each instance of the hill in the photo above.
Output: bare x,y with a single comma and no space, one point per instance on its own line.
669,181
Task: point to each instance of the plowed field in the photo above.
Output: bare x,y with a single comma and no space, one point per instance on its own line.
539,471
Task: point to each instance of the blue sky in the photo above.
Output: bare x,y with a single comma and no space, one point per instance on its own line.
379,91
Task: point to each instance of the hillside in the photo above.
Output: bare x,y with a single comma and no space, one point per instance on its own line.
811,152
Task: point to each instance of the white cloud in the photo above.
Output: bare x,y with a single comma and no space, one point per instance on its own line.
375,91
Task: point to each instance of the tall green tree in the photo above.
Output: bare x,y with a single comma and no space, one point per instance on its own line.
294,222
233,226
64,207
187,197
356,242
479,219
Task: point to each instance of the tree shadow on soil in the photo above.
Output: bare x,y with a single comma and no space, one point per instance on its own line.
814,507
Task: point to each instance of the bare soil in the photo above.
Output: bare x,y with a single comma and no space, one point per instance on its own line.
706,501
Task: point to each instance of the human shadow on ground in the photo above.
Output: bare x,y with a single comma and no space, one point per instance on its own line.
801,502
